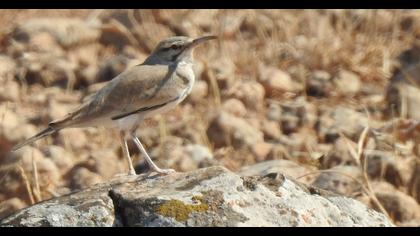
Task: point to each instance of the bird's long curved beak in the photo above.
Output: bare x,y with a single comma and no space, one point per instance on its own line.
200,40
190,47
203,39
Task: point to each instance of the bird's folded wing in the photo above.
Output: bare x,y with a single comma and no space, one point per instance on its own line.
143,109
135,89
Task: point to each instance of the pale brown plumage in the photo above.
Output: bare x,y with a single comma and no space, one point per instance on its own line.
162,81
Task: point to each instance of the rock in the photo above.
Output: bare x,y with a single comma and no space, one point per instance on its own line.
57,110
24,157
48,68
106,163
66,31
289,168
10,120
399,205
200,154
19,133
232,23
13,184
261,150
274,112
293,116
10,206
276,82
402,93
251,93
224,72
207,197
82,178
383,165
75,139
347,83
184,157
414,183
199,91
338,154
340,180
319,84
61,158
111,68
227,129
9,91
271,130
7,68
351,123
43,42
234,107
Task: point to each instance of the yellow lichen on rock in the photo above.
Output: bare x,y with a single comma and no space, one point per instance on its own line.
179,210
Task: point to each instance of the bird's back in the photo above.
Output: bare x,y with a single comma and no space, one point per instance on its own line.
139,86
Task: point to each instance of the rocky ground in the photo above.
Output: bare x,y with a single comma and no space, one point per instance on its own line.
206,197
328,98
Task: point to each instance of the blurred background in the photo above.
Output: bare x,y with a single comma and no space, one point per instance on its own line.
328,97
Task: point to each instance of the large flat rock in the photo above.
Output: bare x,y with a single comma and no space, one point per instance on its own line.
206,197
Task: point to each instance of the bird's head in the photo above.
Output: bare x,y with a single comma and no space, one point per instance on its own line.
174,49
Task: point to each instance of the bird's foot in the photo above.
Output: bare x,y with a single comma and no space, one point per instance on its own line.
132,172
165,171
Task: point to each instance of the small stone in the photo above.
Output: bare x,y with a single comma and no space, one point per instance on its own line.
414,183
271,129
348,83
293,116
276,82
274,112
111,68
399,205
383,165
106,163
319,84
261,150
82,178
286,167
198,152
234,107
62,158
199,91
251,93
224,72
338,154
341,119
57,110
7,68
340,183
10,206
9,91
75,138
226,130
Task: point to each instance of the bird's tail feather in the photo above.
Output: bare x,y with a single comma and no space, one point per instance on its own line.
45,132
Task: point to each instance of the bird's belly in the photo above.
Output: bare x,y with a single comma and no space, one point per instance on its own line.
127,123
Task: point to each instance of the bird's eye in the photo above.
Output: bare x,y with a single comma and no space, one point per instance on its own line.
174,47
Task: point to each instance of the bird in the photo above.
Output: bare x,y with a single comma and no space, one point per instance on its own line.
157,85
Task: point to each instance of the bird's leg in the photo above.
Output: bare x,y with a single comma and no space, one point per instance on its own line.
127,153
148,159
